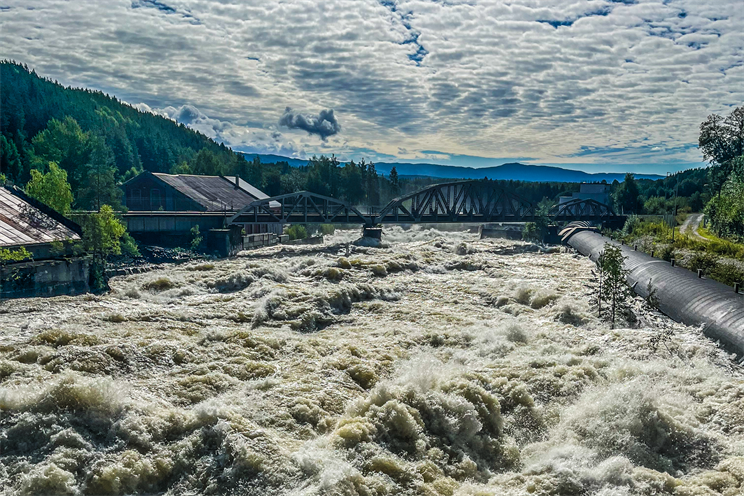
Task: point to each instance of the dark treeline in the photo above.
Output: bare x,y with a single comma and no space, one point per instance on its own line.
99,142
690,187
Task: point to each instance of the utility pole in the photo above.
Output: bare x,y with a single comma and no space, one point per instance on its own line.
676,188
671,224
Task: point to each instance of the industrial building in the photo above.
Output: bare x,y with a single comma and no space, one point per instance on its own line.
164,208
599,192
49,238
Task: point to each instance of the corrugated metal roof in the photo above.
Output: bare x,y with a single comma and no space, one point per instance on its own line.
216,193
23,224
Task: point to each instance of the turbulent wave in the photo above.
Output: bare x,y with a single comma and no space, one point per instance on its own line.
433,364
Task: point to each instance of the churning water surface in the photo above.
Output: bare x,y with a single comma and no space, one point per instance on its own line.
437,364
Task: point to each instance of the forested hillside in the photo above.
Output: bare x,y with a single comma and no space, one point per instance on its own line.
89,133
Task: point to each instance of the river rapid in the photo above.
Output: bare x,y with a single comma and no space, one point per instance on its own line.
436,364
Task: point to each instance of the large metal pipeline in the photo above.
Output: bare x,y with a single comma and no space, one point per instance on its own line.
681,294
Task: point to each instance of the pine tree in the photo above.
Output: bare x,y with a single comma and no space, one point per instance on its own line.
613,288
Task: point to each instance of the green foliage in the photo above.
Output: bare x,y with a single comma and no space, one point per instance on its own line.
11,165
613,287
18,255
129,246
726,210
632,223
297,231
627,196
196,238
51,188
207,163
702,261
102,233
3,179
536,231
727,273
65,248
394,178
327,229
721,141
531,232
666,252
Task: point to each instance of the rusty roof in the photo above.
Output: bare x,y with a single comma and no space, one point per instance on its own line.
216,193
25,222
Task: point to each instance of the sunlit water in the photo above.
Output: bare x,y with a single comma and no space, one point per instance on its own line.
438,364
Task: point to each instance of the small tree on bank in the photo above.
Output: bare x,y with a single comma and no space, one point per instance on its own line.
613,287
102,233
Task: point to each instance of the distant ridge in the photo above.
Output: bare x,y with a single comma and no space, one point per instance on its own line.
514,171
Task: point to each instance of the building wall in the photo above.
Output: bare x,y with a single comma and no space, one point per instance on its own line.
590,191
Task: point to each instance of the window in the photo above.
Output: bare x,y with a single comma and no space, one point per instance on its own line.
155,199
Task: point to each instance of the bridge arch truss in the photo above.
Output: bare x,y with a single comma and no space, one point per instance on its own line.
460,201
299,208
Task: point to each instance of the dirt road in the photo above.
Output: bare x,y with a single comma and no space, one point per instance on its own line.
690,226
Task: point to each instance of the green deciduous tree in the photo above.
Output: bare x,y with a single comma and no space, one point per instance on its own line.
721,140
207,163
64,143
51,188
102,234
726,210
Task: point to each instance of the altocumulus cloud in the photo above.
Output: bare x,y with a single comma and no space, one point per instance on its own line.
477,77
324,125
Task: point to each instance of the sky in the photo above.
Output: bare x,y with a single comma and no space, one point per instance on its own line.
598,85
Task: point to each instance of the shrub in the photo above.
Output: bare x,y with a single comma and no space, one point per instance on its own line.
9,256
196,238
666,252
297,231
705,261
531,232
727,273
327,229
129,246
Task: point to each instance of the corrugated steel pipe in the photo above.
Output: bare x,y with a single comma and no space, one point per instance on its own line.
682,295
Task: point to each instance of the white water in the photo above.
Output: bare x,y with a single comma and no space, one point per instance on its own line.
437,365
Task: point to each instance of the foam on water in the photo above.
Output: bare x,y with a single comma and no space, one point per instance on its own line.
433,364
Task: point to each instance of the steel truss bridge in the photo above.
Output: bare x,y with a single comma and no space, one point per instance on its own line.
455,202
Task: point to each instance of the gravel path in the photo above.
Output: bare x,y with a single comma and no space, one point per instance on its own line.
691,224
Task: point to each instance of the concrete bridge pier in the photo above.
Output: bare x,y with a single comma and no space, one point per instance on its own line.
372,232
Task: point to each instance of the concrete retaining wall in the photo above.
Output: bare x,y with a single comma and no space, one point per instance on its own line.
45,278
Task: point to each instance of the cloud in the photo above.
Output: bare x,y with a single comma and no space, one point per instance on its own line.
324,125
486,78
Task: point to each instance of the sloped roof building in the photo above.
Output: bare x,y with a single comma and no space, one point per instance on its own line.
25,222
152,191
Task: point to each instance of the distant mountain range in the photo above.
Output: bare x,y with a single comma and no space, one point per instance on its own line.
514,171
